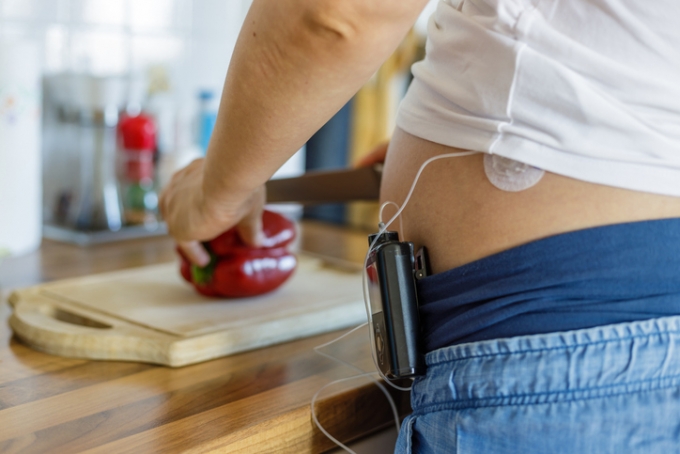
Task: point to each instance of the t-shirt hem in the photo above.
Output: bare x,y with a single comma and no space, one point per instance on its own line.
632,176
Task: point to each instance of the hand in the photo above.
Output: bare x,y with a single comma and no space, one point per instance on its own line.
376,156
194,214
237,270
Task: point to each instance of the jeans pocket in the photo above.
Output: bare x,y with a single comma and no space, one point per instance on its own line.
405,440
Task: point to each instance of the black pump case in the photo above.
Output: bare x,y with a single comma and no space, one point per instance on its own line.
396,325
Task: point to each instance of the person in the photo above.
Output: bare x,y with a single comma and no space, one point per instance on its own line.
551,320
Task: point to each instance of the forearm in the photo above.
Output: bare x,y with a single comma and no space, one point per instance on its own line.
295,64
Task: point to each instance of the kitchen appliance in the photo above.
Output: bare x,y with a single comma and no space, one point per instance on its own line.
94,106
83,201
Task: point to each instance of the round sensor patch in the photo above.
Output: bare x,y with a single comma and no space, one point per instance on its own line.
510,175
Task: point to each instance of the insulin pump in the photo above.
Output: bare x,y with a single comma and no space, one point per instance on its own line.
391,271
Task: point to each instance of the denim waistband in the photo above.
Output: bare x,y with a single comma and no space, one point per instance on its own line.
544,368
598,276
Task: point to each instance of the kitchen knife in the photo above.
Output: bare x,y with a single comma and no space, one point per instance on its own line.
331,186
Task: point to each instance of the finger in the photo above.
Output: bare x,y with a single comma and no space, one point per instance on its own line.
250,227
195,252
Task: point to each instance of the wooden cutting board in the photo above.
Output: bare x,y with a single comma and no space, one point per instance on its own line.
151,315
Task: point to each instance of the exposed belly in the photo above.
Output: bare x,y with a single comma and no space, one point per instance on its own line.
461,217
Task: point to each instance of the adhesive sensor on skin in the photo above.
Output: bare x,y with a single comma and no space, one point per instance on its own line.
510,175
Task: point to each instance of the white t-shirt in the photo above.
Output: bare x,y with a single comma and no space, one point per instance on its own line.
589,89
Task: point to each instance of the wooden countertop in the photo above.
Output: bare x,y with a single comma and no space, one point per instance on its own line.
257,401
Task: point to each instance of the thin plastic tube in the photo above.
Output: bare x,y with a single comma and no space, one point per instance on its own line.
383,228
362,373
380,216
415,180
316,420
369,315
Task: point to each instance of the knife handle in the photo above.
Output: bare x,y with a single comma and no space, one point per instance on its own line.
327,186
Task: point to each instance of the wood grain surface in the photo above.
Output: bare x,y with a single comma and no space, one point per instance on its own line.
252,402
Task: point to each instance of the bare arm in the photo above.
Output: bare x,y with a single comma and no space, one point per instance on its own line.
296,63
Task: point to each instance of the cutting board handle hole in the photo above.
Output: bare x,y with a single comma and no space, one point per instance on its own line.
75,319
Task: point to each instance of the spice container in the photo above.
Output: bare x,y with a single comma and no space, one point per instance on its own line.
137,138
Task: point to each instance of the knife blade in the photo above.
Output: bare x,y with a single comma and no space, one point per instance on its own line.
328,186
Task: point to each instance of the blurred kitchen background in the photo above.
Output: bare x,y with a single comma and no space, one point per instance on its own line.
102,100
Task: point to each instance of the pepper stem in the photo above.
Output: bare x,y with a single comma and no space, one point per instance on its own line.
203,274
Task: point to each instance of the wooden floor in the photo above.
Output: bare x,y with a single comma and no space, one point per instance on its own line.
252,402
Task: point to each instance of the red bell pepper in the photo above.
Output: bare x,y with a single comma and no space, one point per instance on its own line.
237,270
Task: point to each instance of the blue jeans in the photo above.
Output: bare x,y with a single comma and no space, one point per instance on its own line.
608,389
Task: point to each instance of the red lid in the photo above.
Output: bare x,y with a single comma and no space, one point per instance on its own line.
138,133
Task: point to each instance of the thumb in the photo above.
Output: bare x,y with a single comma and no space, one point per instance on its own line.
375,156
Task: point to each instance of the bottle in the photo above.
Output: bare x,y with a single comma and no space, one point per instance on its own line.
138,142
207,115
